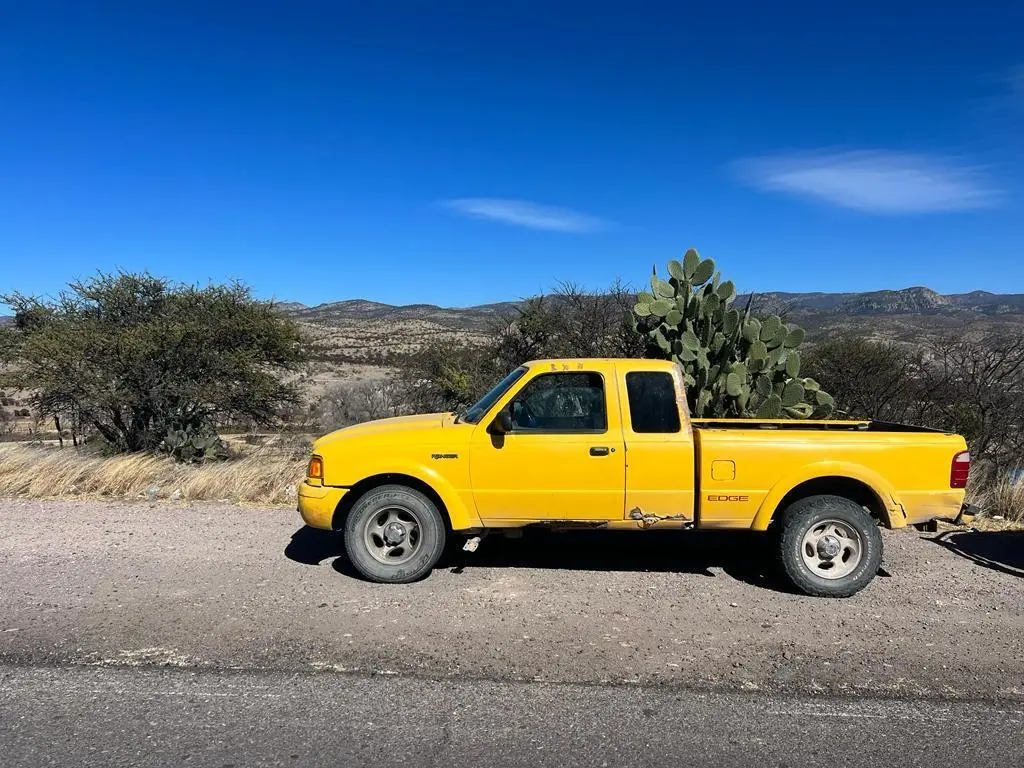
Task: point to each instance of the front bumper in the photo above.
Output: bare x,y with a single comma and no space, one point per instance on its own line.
317,504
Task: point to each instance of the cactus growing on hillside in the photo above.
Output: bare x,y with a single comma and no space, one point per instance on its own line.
735,365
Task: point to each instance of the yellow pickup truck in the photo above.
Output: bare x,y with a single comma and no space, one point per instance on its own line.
609,443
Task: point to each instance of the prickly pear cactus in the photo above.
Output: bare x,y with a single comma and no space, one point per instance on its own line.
735,365
190,443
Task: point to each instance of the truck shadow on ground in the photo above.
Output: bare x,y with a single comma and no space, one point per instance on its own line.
741,556
1001,551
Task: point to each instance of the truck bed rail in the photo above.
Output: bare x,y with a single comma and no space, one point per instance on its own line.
819,425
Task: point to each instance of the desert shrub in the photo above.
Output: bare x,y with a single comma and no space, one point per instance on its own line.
344,404
868,379
569,322
135,356
447,377
976,388
973,387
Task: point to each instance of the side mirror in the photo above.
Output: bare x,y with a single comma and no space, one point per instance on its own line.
501,423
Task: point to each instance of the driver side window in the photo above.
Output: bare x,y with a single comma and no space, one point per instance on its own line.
561,402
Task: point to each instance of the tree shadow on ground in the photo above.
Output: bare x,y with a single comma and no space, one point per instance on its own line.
744,556
1001,551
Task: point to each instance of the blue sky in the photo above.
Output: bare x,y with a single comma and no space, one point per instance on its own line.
465,152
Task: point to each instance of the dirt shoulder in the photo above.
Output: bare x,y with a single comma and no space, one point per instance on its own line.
221,587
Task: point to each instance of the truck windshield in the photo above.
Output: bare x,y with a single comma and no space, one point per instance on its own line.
478,409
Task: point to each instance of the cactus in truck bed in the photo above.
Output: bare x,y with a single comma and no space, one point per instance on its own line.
735,365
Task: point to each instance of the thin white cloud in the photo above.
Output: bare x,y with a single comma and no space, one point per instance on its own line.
1004,97
1013,81
523,213
873,181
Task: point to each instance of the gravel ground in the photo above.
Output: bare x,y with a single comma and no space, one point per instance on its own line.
217,587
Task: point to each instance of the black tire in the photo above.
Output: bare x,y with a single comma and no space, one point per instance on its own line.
805,518
410,510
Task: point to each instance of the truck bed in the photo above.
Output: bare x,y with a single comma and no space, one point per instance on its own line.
744,464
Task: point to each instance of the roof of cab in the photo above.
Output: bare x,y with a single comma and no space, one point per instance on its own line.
622,363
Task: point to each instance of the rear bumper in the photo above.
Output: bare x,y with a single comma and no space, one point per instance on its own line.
965,516
317,504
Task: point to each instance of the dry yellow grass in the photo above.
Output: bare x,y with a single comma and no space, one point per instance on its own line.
262,477
1003,499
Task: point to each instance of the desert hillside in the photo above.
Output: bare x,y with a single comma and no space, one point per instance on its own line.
360,331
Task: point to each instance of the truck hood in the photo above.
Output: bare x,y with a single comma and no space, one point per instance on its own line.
383,428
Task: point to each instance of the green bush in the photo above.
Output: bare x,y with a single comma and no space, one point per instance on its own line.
132,357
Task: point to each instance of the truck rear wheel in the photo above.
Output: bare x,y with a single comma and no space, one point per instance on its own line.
829,546
394,534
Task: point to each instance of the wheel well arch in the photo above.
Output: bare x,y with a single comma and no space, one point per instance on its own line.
367,484
850,488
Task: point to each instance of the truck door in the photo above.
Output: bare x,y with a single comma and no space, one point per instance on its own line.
563,459
659,445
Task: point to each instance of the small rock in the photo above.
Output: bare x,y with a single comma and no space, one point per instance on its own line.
734,605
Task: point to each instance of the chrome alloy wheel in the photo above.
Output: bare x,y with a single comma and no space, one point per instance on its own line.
393,535
832,549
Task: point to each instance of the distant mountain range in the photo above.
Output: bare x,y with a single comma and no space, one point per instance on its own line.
908,301
474,318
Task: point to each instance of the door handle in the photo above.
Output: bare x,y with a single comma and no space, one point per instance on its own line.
600,450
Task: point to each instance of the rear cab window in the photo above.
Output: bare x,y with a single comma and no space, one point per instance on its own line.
652,402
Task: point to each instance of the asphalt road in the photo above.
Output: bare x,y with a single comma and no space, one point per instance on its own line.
162,634
82,716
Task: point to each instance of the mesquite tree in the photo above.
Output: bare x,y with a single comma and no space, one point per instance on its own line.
145,362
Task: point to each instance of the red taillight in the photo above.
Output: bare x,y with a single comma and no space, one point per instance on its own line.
959,468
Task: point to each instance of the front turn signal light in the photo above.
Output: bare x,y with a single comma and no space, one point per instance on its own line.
315,470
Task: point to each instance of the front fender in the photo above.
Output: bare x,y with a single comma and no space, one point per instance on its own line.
459,503
881,487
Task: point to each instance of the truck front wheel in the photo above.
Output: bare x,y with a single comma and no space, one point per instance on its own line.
394,534
829,546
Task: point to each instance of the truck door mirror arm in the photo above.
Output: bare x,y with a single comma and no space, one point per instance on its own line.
501,423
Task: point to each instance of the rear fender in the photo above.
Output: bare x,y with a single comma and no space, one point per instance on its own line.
882,488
